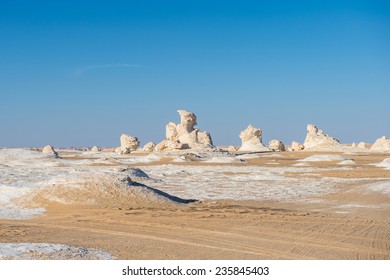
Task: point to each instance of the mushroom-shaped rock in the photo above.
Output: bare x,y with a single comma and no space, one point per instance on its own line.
128,144
276,145
381,145
251,139
316,138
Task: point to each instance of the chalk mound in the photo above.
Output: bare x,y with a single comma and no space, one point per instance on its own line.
45,251
381,145
276,145
317,140
347,162
149,147
105,191
362,145
136,175
95,149
48,149
251,139
296,146
20,156
184,135
385,164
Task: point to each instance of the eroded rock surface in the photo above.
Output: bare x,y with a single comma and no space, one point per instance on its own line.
149,147
276,145
381,145
48,149
184,135
317,139
128,144
251,139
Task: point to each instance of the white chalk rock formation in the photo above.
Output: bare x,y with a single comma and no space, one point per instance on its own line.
231,149
48,149
296,146
381,145
353,145
149,147
251,139
184,135
362,145
317,139
276,145
95,149
128,144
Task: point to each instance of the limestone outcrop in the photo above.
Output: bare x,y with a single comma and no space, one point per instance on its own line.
95,149
362,145
381,145
276,145
128,144
148,147
251,139
48,149
317,139
231,149
184,135
296,146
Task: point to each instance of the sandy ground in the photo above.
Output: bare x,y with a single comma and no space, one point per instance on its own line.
351,223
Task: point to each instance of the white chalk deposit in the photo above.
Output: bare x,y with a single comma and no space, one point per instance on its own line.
45,251
29,179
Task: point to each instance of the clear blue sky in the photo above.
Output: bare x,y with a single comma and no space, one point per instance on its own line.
80,73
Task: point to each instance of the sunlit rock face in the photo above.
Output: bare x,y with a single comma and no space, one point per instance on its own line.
296,146
128,144
316,138
276,145
381,145
251,139
149,147
184,135
48,149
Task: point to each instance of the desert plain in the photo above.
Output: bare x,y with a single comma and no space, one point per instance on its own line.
195,205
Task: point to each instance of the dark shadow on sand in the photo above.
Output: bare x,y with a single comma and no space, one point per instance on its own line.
164,194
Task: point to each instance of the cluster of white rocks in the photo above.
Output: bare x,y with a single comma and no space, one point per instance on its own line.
361,145
186,136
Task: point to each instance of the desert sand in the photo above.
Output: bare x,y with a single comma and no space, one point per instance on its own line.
287,205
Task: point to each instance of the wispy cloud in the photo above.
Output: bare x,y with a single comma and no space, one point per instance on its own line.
81,71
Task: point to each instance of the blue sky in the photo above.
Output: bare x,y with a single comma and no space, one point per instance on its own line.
80,73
